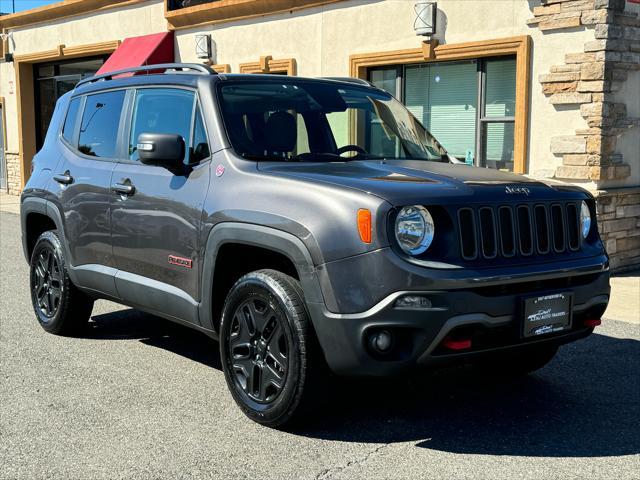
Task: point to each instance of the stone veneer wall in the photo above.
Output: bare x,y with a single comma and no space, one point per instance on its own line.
619,224
14,186
588,81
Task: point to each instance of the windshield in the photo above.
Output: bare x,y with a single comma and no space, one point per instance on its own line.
321,121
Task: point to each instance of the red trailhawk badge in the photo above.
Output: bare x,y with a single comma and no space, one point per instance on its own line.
180,261
219,170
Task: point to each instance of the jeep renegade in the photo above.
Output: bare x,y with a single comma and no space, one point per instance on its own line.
306,224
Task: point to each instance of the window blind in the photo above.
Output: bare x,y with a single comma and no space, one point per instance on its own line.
444,97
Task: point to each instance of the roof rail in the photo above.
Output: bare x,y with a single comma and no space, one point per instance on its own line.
359,81
167,67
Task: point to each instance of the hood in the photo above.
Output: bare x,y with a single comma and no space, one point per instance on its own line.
407,182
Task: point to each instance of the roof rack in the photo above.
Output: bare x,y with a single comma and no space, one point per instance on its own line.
359,81
167,67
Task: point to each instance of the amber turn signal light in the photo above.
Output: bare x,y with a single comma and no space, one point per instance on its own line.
364,225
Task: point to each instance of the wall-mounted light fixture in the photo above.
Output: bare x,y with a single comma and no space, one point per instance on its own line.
203,46
8,37
426,14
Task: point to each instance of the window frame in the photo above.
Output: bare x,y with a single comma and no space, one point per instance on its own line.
481,110
119,138
428,51
128,125
72,143
73,147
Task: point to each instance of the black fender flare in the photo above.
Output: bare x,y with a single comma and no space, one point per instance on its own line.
44,207
259,236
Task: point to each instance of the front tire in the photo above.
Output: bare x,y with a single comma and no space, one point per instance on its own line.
266,347
59,306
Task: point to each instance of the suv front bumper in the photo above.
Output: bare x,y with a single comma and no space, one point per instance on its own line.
490,314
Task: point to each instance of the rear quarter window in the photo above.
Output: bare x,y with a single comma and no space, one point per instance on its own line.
70,121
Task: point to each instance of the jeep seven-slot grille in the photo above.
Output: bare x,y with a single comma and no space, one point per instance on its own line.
518,230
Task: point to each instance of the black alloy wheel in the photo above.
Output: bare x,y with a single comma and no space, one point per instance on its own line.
259,346
46,283
59,306
268,347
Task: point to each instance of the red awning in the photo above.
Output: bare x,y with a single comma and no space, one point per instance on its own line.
140,51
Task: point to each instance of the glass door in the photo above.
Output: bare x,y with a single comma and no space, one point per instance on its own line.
53,80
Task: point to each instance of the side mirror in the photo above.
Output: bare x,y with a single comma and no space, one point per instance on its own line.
162,149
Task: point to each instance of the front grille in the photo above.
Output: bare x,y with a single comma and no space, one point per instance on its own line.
522,230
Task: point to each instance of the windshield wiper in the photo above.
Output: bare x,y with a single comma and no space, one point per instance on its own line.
271,158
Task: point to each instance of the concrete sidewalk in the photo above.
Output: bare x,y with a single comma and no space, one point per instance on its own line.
625,298
625,288
9,203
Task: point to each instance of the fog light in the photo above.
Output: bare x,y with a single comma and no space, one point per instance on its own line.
413,301
381,342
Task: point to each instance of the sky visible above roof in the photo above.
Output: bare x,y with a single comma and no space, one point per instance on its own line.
7,6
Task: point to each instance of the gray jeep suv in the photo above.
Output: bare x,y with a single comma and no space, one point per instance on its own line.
310,225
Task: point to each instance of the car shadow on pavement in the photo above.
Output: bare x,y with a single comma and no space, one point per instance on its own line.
585,403
130,324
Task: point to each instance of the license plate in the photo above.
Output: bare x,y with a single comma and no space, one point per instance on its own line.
547,314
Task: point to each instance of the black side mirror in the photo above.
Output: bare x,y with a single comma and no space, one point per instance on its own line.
162,149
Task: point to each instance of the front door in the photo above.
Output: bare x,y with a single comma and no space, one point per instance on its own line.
156,215
3,160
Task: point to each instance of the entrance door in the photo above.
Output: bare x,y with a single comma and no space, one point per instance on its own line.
52,80
3,160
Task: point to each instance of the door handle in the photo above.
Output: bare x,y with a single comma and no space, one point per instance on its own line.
63,178
123,188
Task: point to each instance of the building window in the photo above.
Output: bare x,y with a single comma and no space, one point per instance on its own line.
468,105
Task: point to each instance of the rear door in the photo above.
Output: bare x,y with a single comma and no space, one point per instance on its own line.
91,138
156,214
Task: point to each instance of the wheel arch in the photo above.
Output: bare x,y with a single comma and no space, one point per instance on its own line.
35,218
226,237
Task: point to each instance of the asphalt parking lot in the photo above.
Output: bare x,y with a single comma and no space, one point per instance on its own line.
138,397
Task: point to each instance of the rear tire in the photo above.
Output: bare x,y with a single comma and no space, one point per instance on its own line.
59,306
268,348
521,364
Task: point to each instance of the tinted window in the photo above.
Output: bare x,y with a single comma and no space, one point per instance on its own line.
100,122
310,121
70,121
161,110
200,144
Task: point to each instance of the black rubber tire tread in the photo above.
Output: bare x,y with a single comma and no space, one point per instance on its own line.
288,291
75,306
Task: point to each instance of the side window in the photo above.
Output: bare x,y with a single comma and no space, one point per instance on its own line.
71,120
161,110
200,144
100,124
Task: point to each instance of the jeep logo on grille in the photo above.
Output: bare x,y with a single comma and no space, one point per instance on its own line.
517,190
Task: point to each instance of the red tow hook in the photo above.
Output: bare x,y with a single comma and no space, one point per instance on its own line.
456,344
594,322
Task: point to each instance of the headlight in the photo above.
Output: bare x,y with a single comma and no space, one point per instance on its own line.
585,220
414,229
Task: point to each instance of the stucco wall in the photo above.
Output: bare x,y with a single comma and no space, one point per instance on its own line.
109,25
321,40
